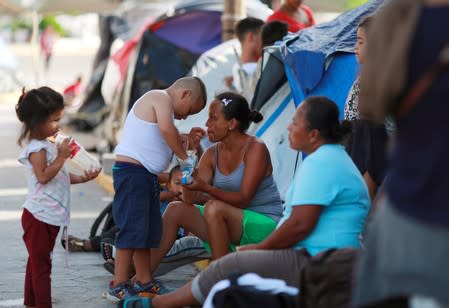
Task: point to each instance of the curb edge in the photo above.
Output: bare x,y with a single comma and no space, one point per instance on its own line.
105,181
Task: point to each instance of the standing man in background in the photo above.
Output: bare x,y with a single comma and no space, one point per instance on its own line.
247,31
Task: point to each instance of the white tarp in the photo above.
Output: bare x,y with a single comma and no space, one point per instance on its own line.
278,112
212,67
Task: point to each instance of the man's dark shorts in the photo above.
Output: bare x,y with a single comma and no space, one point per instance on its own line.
136,206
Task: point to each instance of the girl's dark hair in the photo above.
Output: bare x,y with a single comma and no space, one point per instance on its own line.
173,170
35,106
236,107
322,114
365,22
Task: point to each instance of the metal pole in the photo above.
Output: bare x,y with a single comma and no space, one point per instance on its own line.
233,11
35,47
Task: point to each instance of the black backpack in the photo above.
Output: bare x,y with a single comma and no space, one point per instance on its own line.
104,216
326,280
247,296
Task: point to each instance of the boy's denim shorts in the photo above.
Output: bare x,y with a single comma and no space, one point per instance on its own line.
136,207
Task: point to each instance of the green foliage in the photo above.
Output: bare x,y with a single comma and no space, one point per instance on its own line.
50,20
17,24
350,4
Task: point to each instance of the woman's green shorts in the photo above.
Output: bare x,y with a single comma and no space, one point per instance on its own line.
256,227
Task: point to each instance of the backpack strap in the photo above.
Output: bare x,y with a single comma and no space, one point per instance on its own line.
423,84
233,278
106,214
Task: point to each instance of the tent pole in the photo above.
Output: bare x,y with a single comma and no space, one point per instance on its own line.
233,11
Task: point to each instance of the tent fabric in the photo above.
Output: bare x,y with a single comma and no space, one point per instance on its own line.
212,67
308,52
172,63
278,112
203,33
272,79
203,38
335,82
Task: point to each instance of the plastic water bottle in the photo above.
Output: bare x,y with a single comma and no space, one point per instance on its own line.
187,167
79,157
205,143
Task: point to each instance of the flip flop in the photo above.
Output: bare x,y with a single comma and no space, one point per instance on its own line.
107,249
109,266
76,244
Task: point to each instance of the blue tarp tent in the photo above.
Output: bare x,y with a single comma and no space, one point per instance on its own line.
317,61
320,60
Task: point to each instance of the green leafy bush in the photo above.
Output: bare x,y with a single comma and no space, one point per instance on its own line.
17,24
354,3
50,20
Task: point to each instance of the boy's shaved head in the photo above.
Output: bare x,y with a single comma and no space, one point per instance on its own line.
194,84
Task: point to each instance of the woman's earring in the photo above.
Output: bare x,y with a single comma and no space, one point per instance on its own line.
229,129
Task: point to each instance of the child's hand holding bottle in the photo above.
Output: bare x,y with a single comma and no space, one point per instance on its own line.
89,175
80,158
63,149
187,166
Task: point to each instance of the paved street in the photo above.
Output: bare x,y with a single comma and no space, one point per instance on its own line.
85,280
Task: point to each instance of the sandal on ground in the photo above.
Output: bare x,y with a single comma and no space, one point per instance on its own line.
107,249
110,266
77,244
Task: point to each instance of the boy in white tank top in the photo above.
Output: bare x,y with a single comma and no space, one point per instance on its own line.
148,140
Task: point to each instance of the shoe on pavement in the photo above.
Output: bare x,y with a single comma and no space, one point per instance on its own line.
120,292
150,289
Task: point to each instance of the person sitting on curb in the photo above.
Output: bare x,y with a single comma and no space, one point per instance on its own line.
102,242
326,207
368,141
173,188
234,181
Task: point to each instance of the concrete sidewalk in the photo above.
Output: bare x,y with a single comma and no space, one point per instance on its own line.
83,282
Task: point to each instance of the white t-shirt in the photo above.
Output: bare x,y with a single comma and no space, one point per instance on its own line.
248,69
49,203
